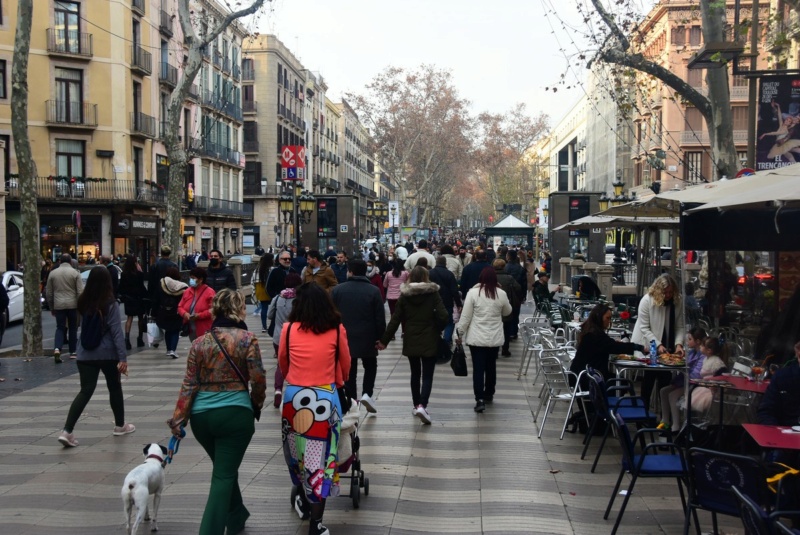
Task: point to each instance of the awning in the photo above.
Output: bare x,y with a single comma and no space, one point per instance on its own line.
604,221
771,190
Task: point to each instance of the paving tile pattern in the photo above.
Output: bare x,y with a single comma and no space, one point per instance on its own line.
466,473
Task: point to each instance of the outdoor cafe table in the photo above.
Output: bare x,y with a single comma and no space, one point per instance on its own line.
732,382
774,436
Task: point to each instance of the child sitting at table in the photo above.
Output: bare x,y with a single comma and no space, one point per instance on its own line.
671,394
715,363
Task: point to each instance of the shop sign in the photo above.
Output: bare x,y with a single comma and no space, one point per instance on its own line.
162,160
205,233
234,232
188,231
136,226
250,230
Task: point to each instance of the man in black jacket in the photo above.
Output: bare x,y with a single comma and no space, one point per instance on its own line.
220,275
158,272
448,290
340,267
361,306
781,406
276,277
472,272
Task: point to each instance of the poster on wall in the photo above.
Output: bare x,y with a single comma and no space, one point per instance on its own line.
778,129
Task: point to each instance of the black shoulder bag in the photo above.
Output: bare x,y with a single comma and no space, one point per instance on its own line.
256,410
344,399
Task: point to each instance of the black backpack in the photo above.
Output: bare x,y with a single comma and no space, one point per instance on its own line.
93,327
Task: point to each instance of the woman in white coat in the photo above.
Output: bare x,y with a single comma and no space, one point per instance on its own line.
481,325
660,319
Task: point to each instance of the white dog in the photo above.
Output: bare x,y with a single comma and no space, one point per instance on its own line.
140,483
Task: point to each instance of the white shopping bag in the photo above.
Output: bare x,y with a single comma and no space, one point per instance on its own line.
154,335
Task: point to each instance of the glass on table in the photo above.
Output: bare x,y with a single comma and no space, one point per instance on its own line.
758,373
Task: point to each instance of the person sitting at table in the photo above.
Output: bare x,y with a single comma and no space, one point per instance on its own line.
714,363
541,289
595,345
588,289
780,404
661,320
670,395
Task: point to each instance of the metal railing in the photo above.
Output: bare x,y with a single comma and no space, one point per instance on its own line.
270,190
168,74
217,58
50,188
700,137
165,23
249,106
141,59
69,42
236,71
226,65
143,124
61,112
209,205
248,75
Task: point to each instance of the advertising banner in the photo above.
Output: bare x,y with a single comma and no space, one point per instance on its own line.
778,130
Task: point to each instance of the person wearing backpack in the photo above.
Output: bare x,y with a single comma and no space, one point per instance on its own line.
168,317
101,348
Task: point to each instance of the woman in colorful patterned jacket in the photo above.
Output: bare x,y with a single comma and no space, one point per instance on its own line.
219,408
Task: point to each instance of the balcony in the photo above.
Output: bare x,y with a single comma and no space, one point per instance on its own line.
143,125
209,205
194,92
90,191
71,114
226,65
137,6
69,43
217,59
141,60
168,75
334,185
249,106
739,92
248,75
251,146
236,72
218,152
165,23
255,190
700,137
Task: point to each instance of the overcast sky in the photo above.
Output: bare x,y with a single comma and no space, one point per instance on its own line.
500,52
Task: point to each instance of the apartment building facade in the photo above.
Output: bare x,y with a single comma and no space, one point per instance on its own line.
100,74
358,165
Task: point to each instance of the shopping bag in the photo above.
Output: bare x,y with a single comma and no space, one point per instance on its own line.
153,332
459,361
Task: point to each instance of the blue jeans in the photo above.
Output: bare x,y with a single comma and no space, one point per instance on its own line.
484,371
264,310
448,331
63,317
171,338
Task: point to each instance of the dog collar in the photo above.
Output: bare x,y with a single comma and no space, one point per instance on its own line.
157,457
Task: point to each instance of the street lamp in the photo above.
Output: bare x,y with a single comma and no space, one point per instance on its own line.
393,210
297,208
618,199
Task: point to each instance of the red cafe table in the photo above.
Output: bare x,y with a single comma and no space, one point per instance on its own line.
774,436
732,382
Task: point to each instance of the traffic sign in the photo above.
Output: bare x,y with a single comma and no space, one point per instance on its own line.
746,171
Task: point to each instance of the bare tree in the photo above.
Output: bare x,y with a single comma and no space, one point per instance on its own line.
31,258
616,47
199,29
422,131
502,170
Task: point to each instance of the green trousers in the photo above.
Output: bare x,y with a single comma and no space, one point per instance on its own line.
225,434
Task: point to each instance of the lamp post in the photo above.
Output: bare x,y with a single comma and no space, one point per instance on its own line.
545,213
297,208
393,210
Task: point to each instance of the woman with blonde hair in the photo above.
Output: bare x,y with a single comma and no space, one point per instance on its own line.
214,399
660,320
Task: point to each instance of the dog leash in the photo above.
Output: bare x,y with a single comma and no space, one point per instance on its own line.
174,444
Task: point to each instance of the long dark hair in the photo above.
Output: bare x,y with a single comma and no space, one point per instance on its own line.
129,268
264,265
594,323
98,291
313,308
488,281
398,268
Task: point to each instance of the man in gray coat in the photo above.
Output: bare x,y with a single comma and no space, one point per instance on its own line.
64,285
363,316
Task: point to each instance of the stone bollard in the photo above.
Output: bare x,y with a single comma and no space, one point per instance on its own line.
604,274
577,267
564,271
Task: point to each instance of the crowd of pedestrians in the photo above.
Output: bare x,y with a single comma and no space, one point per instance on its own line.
323,315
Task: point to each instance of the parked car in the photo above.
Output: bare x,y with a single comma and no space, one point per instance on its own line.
12,280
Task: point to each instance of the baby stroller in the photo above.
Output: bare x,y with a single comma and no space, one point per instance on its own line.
349,461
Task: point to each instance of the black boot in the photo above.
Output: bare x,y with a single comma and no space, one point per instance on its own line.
139,341
128,341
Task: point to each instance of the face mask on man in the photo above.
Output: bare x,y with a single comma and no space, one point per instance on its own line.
214,262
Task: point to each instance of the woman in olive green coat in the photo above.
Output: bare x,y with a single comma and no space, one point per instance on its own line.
421,311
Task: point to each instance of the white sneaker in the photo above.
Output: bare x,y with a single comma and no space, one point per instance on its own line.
414,411
368,403
423,415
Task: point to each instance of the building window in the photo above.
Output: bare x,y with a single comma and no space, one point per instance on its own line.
695,36
694,120
204,177
215,184
67,26
6,154
679,36
70,158
695,77
3,93
693,168
69,95
739,117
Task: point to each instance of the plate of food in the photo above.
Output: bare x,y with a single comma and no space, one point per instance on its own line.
624,357
668,359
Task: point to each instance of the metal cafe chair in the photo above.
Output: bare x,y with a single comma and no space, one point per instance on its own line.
712,474
758,521
648,463
558,388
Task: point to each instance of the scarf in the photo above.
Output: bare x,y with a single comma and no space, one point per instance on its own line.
223,322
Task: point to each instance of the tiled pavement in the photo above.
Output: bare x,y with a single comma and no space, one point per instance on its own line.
465,474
